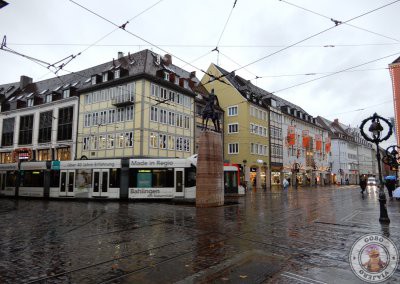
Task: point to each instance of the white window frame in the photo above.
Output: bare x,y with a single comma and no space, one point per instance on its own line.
153,140
234,147
233,110
231,128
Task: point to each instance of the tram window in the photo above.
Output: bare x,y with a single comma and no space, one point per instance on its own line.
190,177
146,178
11,178
32,179
114,177
54,178
163,178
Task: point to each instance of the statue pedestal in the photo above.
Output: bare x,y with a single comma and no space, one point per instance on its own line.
210,171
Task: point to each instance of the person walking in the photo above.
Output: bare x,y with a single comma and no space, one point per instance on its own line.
391,186
363,184
285,184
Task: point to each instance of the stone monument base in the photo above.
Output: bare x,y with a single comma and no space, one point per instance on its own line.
210,171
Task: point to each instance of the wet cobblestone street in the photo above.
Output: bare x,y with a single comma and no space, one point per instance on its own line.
303,236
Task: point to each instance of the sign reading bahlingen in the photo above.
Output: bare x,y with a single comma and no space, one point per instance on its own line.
151,193
373,258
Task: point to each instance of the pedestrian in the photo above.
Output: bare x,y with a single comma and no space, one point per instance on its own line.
285,184
390,185
363,184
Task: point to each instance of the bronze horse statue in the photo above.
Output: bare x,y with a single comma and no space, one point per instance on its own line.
209,113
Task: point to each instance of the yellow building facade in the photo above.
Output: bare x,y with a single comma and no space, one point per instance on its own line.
246,128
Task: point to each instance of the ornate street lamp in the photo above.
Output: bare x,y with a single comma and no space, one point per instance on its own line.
376,138
295,170
244,173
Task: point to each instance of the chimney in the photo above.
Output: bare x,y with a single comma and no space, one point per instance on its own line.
192,74
167,59
336,120
24,81
120,54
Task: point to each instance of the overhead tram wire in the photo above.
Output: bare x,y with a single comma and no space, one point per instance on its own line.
307,38
206,46
329,18
337,72
223,30
141,38
318,73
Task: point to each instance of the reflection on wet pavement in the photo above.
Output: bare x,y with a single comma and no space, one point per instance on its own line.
301,236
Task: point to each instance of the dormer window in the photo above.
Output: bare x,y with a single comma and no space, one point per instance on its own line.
105,77
117,73
185,84
66,93
273,103
30,102
94,80
49,98
166,76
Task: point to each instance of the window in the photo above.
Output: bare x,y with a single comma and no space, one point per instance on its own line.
186,144
233,128
179,143
232,111
154,113
66,93
94,80
25,130
102,142
171,142
179,120
86,145
129,139
187,122
111,115
93,142
117,73
30,102
120,114
131,91
120,140
110,141
163,94
151,178
163,141
129,113
65,118
155,90
88,99
163,116
8,132
233,148
171,118
45,123
105,77
49,98
153,140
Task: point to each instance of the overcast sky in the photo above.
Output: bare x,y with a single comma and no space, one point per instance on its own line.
52,30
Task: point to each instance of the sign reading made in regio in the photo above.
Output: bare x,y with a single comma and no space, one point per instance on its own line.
55,165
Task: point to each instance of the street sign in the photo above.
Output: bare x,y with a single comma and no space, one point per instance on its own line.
55,165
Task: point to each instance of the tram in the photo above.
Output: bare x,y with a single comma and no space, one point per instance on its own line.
109,178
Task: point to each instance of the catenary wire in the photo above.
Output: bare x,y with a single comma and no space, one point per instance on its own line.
309,37
337,72
329,18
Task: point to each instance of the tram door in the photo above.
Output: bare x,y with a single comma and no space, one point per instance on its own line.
100,183
179,182
3,176
67,182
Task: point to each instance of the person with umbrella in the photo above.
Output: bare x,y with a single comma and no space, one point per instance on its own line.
363,183
390,182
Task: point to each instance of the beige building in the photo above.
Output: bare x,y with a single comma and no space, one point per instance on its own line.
140,105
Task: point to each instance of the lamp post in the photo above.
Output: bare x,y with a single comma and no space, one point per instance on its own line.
265,168
295,170
376,138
